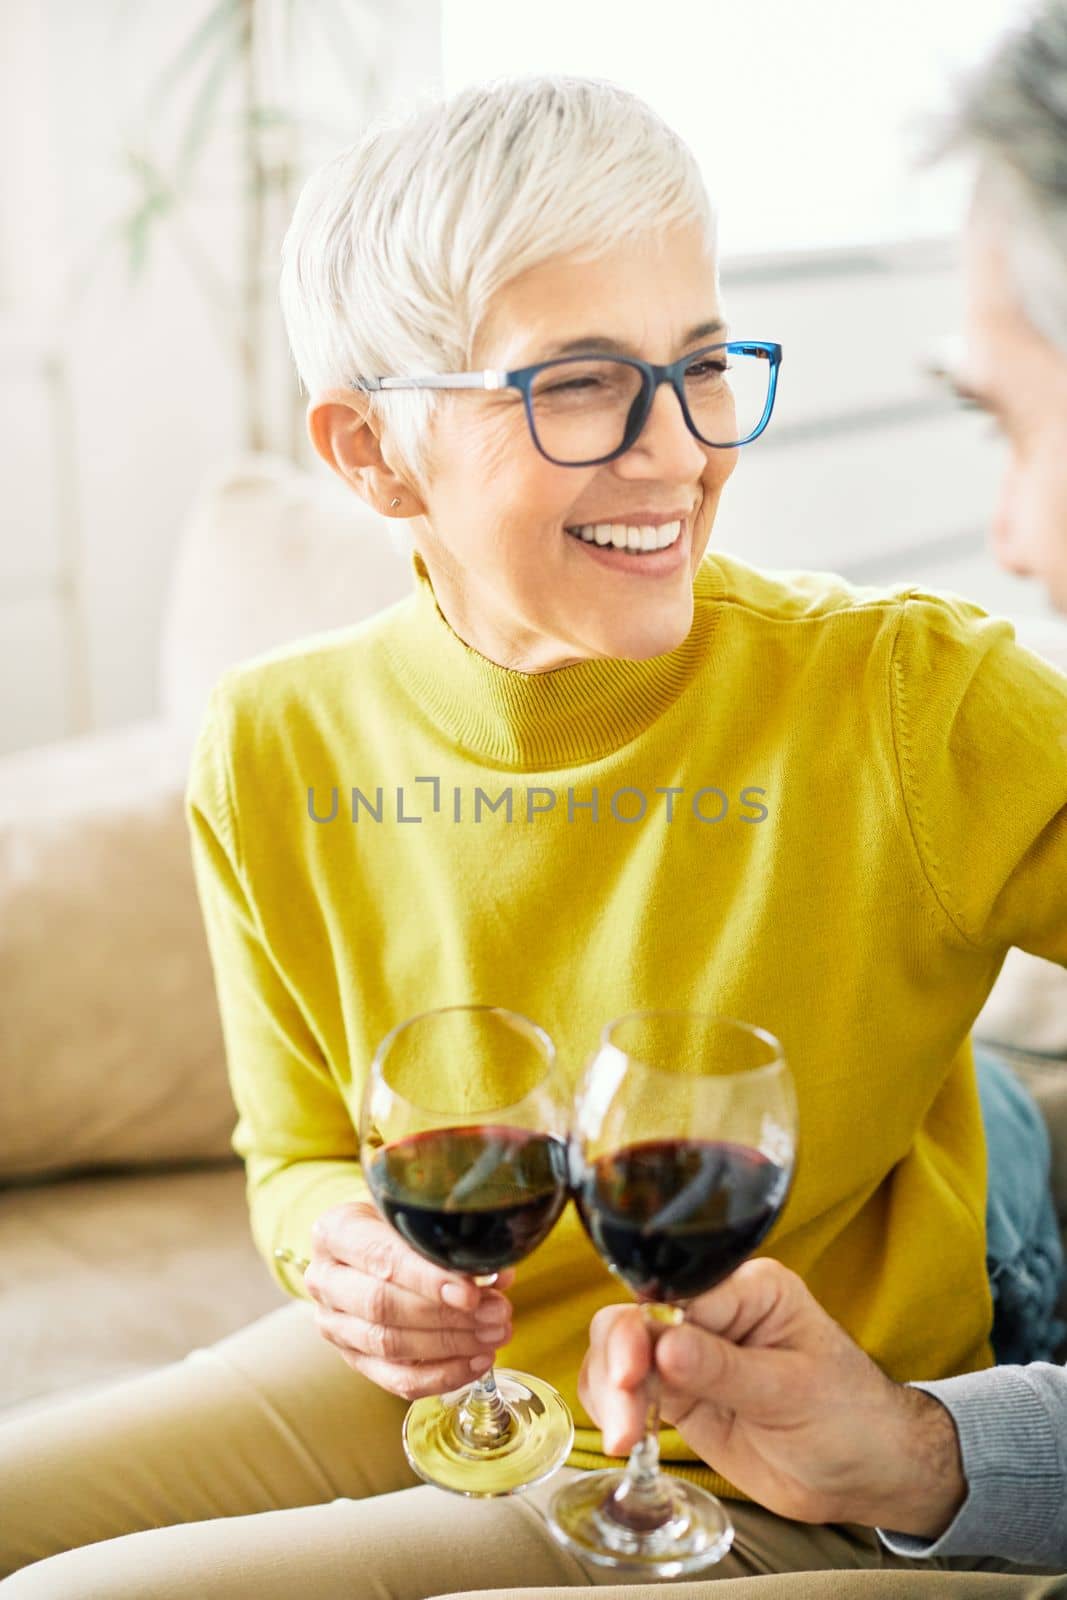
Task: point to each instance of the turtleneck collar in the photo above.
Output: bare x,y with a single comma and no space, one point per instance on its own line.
538,720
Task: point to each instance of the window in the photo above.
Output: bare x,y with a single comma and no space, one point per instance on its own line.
802,116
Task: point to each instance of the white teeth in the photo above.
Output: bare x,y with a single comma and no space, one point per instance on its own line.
623,537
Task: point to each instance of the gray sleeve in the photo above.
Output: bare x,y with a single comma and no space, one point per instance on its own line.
1012,1427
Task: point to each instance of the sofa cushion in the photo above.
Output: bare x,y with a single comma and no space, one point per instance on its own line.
117,1274
111,1048
270,553
1027,1006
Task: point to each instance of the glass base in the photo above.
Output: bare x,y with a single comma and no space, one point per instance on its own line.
538,1441
697,1530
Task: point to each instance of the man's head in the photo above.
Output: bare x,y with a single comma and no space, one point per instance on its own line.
1013,118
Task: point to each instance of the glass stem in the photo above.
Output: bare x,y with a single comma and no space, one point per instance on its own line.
484,1418
644,1457
643,1501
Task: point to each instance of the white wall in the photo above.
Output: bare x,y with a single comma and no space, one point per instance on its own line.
153,400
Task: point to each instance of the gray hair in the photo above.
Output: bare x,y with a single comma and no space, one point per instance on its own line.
1012,115
399,242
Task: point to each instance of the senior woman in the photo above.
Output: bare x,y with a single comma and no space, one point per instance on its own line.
826,809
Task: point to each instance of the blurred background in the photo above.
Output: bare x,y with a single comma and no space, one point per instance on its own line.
151,158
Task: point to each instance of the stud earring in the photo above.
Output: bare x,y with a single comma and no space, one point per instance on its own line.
395,502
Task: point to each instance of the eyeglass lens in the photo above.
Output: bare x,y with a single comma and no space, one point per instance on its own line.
581,408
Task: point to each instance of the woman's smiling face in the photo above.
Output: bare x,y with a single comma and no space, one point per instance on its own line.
491,525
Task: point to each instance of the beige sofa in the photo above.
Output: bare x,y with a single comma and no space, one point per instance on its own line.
124,1237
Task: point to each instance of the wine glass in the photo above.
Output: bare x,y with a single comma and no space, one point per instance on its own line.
681,1159
463,1145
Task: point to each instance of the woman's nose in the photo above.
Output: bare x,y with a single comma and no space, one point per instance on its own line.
666,435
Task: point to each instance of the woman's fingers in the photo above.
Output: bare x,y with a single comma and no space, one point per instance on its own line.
355,1234
406,1324
391,1343
342,1288
415,1379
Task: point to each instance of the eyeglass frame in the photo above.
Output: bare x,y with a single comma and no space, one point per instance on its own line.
652,375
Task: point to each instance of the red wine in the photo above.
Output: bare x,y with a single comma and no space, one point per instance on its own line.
672,1217
472,1199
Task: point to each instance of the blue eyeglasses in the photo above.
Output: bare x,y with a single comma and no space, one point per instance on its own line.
584,410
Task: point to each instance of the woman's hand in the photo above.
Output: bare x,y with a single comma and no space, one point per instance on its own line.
765,1386
405,1324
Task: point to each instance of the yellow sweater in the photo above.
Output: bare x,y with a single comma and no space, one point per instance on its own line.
829,811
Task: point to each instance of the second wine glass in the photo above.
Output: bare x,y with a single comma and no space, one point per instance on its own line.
463,1144
682,1158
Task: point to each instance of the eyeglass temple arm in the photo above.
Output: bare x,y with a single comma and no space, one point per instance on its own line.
440,380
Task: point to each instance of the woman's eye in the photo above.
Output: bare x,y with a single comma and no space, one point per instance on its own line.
706,369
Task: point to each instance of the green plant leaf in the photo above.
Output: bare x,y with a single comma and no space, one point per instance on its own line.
146,173
157,197
266,116
142,168
221,15
207,98
136,231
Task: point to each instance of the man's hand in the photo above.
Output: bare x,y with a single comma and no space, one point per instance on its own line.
404,1323
773,1393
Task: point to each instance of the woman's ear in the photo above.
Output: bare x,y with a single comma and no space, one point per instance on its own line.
348,439
340,428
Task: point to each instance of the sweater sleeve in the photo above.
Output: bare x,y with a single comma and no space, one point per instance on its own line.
1012,1427
293,1131
980,726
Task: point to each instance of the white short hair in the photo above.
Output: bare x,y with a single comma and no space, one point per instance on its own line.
399,242
1012,115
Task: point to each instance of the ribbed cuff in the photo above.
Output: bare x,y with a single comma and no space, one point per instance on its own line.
1015,1481
284,1205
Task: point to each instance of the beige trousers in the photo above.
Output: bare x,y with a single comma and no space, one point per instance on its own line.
263,1467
